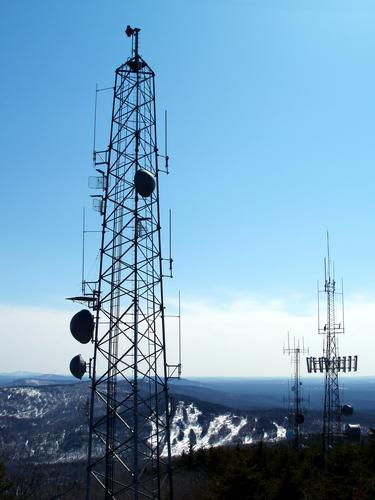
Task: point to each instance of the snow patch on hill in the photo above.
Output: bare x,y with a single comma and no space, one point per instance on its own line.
190,429
49,425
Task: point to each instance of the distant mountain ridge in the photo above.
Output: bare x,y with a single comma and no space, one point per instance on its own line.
30,378
237,393
43,418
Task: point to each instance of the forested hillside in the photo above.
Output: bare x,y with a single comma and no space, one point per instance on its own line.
261,471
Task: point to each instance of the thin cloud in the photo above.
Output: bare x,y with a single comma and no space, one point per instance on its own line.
238,337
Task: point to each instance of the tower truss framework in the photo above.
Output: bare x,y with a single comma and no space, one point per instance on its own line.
129,442
296,402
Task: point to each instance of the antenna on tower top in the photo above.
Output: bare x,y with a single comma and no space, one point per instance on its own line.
133,32
328,257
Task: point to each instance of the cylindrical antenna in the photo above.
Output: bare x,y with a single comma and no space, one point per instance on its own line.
317,292
166,142
305,351
83,249
133,33
136,31
179,334
328,257
94,141
325,271
342,304
170,245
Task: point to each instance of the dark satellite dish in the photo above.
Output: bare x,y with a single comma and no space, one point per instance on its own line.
347,410
300,418
82,326
78,366
144,183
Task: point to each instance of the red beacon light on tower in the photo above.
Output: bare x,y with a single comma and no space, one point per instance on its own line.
129,31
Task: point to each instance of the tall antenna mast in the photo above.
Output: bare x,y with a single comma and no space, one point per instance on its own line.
331,363
296,402
129,443
175,370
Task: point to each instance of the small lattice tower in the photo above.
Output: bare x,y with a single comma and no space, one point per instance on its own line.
295,402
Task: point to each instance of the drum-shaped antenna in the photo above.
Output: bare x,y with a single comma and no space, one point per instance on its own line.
347,410
136,66
144,183
82,326
78,366
300,418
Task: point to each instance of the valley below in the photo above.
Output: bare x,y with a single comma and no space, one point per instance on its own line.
44,419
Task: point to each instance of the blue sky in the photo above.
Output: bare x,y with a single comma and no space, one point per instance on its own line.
271,121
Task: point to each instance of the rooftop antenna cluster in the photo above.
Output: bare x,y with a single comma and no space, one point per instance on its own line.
129,452
330,364
295,401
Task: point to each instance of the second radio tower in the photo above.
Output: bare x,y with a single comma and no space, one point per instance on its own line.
331,363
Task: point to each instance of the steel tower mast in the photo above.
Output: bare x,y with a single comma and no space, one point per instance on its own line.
295,403
331,363
129,453
332,407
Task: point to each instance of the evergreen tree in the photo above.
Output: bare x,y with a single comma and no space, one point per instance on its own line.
5,485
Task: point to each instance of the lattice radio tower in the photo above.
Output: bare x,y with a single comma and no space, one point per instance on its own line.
331,363
129,454
296,402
